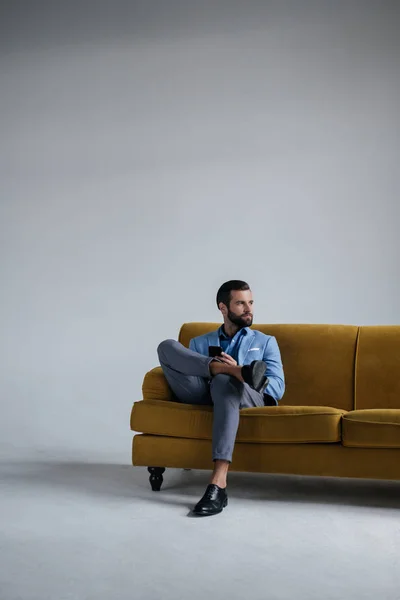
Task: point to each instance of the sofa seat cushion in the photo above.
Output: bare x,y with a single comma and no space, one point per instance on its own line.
372,428
275,424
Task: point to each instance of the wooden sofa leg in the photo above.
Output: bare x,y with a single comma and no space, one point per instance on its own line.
156,477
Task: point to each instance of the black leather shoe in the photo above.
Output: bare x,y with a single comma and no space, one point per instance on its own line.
214,500
254,375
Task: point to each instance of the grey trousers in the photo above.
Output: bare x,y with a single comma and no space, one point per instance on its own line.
188,375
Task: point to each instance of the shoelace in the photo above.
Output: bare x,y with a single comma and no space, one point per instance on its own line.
209,494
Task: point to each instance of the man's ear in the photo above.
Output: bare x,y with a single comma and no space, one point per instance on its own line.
222,307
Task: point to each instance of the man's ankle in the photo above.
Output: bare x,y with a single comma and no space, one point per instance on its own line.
221,483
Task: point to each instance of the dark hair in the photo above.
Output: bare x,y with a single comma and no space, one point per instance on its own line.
224,293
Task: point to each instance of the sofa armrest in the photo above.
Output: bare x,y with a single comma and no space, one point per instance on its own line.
155,386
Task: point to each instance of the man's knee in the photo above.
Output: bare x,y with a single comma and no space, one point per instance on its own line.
224,385
164,348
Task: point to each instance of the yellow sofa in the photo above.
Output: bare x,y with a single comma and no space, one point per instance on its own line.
340,415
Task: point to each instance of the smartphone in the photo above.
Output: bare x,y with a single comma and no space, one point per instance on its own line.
214,351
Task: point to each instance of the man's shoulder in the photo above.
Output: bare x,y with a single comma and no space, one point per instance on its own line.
261,335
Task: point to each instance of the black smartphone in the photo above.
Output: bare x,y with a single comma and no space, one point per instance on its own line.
214,351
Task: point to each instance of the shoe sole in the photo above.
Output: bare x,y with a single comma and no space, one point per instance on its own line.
257,375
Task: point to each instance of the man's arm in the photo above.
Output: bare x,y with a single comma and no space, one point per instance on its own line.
274,371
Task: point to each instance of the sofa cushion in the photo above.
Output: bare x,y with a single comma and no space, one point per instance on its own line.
378,367
318,361
155,386
372,428
277,424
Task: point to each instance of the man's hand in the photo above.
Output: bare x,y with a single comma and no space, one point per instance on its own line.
228,360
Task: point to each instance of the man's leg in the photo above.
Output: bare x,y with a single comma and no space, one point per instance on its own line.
187,372
198,379
228,396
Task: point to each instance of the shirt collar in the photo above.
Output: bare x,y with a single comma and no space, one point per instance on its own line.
222,334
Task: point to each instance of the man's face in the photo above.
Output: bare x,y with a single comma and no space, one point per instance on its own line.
240,311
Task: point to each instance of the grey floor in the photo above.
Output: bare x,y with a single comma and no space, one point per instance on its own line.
76,530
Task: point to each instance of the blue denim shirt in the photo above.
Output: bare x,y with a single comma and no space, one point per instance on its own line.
231,345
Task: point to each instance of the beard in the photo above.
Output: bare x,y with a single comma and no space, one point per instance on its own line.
241,321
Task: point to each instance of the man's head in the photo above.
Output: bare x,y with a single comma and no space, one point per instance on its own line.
235,301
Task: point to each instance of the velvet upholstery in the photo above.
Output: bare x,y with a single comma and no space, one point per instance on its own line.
378,367
372,428
294,424
328,460
340,415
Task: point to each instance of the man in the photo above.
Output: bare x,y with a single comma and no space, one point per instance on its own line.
247,373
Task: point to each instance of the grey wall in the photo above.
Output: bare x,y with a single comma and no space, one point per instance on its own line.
149,152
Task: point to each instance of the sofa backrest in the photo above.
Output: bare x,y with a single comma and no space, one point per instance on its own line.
378,367
318,361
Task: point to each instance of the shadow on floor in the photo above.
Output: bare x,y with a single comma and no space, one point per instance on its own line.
180,487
